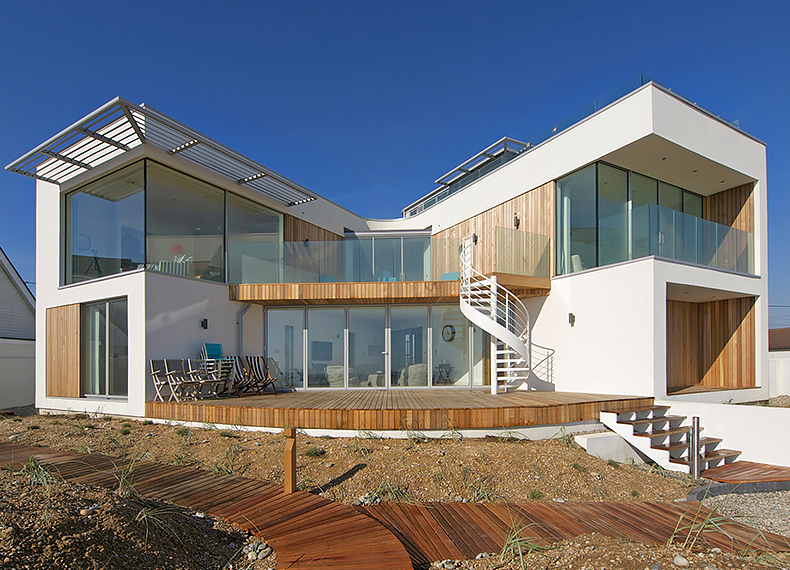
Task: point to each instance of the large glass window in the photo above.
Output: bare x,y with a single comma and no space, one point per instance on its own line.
409,340
254,242
186,225
105,226
612,215
576,221
105,348
450,342
325,358
284,346
597,226
367,352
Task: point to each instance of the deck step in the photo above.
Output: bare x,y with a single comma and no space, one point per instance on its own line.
710,456
644,421
636,410
684,444
663,432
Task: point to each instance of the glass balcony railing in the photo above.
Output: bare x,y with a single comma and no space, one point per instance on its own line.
367,260
521,253
667,233
388,259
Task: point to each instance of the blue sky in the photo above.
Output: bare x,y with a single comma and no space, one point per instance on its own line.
368,102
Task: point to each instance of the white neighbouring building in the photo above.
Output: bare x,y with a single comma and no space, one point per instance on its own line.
17,338
635,239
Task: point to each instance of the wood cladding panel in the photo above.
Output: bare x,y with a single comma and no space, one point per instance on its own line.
295,229
536,216
733,207
711,344
63,351
347,293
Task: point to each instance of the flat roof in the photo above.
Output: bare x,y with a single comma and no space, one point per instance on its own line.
119,126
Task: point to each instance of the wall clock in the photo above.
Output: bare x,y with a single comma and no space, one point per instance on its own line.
448,333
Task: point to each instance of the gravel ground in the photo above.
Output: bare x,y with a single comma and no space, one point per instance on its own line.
766,511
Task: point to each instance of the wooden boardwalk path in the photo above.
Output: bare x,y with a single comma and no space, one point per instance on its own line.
308,531
436,531
747,472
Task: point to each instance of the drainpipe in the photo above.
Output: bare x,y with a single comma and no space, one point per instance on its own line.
240,323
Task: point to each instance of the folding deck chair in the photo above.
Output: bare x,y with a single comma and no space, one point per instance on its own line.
217,363
260,373
181,383
206,376
161,382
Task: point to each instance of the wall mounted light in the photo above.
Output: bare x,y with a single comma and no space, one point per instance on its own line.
204,324
516,220
571,319
474,238
307,243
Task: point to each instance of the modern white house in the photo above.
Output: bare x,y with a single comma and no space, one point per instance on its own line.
623,254
17,338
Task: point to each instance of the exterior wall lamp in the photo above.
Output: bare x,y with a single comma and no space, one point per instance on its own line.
571,319
204,324
516,220
474,238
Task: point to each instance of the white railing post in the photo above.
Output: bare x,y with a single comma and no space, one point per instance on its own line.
494,345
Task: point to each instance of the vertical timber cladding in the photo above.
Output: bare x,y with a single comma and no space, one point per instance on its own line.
711,344
311,249
733,207
63,351
536,216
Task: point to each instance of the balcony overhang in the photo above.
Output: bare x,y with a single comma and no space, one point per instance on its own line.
523,286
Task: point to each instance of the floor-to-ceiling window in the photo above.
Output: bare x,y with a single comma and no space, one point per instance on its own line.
377,346
254,242
325,347
105,348
105,226
409,346
185,224
367,329
606,215
285,350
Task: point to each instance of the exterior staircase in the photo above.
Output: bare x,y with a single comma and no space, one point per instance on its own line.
665,438
517,363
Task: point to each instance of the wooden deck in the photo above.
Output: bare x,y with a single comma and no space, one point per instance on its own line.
397,409
308,531
747,472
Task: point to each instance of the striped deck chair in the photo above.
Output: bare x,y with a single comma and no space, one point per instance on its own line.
182,384
242,378
260,373
160,379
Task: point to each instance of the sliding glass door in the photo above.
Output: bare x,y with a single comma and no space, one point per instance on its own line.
105,348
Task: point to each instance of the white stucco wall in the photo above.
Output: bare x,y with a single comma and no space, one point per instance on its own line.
779,373
17,373
756,431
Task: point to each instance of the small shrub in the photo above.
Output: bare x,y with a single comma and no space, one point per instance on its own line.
147,422
125,431
393,492
326,437
634,493
535,495
314,452
613,463
126,425
106,418
182,432
578,467
32,426
55,422
16,419
483,490
226,433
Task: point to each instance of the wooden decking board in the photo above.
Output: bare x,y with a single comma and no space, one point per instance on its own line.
747,472
377,409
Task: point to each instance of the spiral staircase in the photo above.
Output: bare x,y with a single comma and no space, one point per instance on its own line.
516,362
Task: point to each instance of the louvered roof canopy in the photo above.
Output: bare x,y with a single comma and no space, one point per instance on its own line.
120,126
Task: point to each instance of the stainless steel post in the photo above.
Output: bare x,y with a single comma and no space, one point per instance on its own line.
694,448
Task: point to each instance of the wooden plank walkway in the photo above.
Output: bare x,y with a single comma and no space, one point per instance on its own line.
308,531
436,409
305,530
747,472
437,531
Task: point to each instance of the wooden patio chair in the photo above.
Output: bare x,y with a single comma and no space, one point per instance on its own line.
182,384
260,373
206,375
243,380
216,361
160,379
